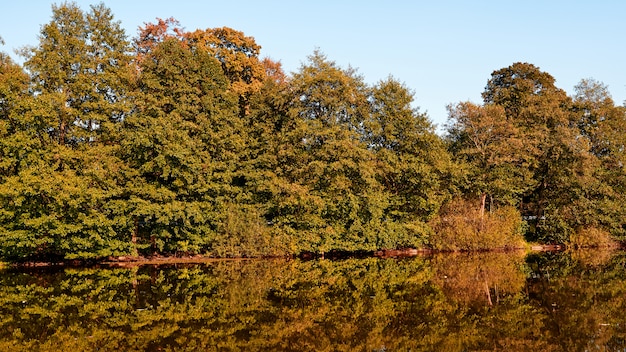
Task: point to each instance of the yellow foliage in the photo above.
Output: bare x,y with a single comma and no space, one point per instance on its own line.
460,226
482,278
595,258
593,237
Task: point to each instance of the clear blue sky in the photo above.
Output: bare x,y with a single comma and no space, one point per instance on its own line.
444,51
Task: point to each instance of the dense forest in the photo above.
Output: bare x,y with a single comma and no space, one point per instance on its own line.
181,142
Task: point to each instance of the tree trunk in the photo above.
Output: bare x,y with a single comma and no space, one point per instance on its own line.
62,128
483,199
488,292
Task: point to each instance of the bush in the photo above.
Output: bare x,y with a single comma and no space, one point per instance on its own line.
459,226
591,237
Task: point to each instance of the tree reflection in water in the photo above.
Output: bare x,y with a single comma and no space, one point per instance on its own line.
452,302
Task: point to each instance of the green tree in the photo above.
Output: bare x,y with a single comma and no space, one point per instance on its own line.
328,175
14,130
603,126
413,166
492,147
184,140
541,112
58,200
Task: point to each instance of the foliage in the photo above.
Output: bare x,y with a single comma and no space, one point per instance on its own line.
184,143
555,158
591,237
188,142
494,149
251,305
414,169
461,226
61,137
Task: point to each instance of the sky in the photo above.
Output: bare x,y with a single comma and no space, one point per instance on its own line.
444,51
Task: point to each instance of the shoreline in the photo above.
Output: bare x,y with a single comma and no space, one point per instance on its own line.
130,261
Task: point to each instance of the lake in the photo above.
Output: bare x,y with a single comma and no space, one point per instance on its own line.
565,301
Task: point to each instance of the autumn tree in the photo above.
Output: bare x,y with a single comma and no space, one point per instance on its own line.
328,179
152,34
596,205
493,150
560,146
267,188
237,53
600,120
239,56
14,130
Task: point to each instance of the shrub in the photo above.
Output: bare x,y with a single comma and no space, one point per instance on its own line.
591,237
460,226
242,232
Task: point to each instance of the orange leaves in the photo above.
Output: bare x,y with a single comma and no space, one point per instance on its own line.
154,33
237,53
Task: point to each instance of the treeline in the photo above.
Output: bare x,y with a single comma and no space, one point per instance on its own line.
188,142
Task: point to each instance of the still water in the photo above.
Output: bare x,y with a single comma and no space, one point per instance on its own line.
569,301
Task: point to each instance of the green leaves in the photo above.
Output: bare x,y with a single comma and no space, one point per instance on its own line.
62,171
184,141
193,145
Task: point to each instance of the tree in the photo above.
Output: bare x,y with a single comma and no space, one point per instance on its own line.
14,132
184,140
330,193
599,120
237,53
602,125
412,164
57,202
541,112
239,56
152,34
81,70
492,146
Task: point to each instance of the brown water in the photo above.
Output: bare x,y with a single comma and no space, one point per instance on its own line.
452,302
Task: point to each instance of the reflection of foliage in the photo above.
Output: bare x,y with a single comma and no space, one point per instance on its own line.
483,278
597,257
583,304
437,303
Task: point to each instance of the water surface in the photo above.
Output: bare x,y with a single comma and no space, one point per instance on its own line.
449,302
